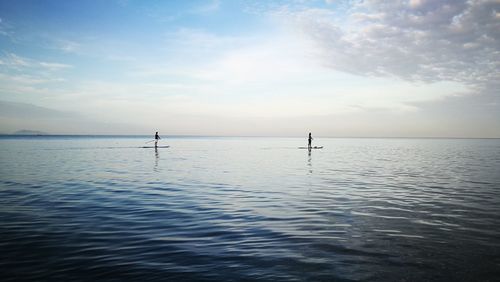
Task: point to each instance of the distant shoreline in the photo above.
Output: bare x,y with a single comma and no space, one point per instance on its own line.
221,136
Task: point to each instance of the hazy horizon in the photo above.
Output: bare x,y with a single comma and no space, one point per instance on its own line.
21,133
403,69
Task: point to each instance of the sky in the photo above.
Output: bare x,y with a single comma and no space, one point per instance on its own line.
352,68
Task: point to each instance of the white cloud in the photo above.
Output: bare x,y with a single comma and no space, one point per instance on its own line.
54,66
268,61
3,28
19,63
272,75
67,46
390,57
12,60
427,41
206,8
417,3
24,79
201,39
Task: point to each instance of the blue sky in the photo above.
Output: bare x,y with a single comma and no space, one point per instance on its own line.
277,68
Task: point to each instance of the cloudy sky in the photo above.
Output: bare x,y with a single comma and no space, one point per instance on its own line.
408,68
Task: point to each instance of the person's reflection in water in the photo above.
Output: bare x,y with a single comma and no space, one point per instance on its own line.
309,179
309,164
157,157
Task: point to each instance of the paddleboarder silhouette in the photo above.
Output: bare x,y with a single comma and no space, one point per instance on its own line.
309,141
157,137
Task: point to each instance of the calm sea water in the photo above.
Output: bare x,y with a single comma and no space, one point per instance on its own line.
236,209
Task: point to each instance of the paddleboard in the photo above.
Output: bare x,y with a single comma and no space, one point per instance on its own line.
154,147
315,147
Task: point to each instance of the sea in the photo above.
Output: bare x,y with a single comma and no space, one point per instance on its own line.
103,208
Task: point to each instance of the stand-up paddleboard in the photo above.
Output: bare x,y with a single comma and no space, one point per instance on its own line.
154,147
315,147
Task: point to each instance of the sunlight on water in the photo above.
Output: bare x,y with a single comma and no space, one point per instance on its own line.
249,208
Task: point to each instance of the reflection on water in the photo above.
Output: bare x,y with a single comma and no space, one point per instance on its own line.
237,209
309,160
157,157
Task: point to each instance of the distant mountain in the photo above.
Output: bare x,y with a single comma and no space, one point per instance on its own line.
29,132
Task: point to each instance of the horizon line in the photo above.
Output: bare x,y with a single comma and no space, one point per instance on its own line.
245,136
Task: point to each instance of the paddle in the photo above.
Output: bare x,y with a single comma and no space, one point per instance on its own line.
150,141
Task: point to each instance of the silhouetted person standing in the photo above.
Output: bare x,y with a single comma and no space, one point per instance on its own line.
157,137
309,141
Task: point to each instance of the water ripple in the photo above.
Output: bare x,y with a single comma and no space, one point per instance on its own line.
249,209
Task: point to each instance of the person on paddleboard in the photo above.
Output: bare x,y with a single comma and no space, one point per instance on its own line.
309,141
157,137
